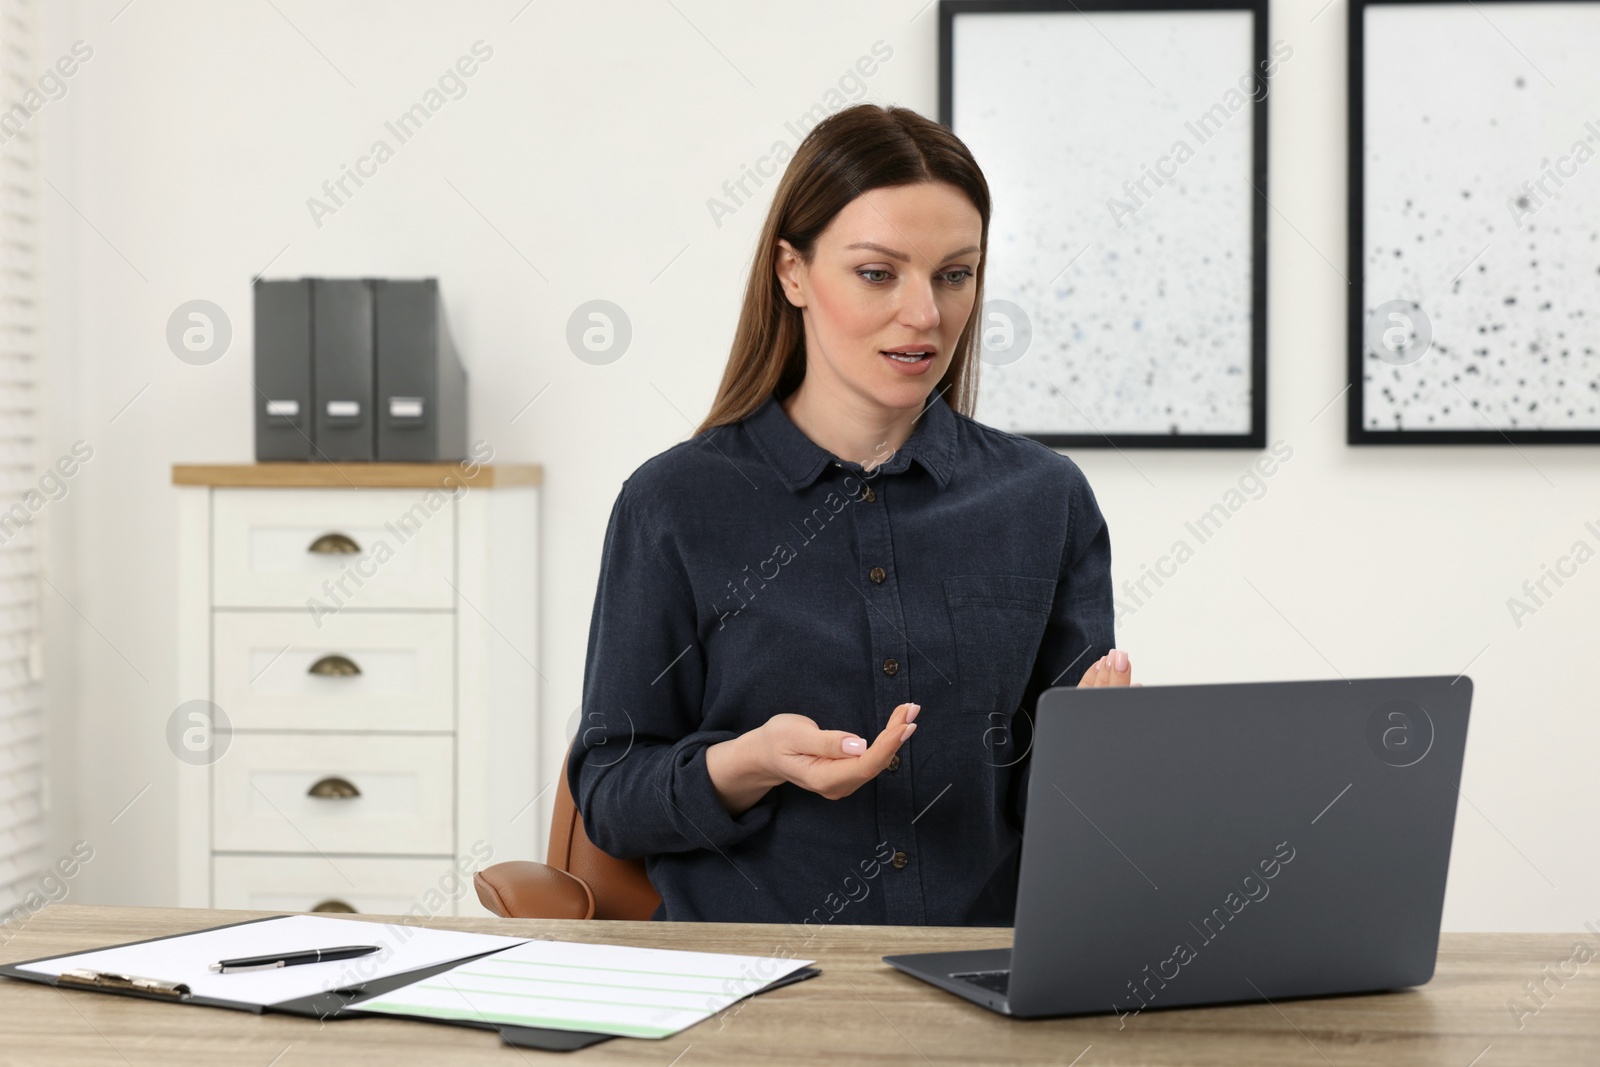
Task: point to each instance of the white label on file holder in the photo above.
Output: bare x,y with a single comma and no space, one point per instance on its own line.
405,407
344,409
289,408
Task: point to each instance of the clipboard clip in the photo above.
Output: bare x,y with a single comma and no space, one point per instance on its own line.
88,979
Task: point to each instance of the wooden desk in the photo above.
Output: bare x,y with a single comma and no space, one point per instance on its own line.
859,1011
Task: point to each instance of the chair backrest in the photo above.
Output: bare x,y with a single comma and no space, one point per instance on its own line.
621,888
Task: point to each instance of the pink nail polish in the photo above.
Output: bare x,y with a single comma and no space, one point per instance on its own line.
854,746
911,713
911,728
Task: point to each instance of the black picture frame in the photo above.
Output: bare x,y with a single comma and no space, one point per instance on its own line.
1256,437
1357,432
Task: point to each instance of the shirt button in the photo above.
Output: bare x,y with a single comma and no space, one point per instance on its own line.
900,859
870,496
894,762
891,666
877,574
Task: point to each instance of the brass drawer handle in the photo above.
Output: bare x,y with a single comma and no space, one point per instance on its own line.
335,905
333,789
334,544
334,665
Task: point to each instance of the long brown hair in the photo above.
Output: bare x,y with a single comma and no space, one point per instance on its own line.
864,147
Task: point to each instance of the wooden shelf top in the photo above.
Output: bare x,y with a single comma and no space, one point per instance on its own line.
357,475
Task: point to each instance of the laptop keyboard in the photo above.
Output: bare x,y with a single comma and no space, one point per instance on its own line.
994,981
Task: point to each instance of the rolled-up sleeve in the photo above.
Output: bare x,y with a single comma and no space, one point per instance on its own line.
638,765
1081,628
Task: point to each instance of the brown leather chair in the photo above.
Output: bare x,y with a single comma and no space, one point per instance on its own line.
576,881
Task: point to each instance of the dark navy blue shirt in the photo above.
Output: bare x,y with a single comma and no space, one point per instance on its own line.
748,572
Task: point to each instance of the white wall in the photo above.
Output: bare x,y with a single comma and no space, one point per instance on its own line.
578,166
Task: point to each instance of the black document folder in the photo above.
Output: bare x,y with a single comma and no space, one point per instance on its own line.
283,370
342,346
343,1003
421,394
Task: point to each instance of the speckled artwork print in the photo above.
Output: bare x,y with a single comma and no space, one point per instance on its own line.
1118,151
1482,206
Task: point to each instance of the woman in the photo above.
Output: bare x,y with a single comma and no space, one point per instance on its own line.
841,553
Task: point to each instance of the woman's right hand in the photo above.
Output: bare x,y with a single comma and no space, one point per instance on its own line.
793,748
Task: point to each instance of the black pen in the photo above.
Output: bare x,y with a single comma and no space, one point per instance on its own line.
290,959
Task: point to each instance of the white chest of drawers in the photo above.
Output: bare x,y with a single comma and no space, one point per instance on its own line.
358,716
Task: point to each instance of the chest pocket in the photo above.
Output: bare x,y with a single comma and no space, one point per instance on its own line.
997,621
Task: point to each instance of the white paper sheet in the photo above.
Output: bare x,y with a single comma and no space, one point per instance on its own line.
188,958
609,989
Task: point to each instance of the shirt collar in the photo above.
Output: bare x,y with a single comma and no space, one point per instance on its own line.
799,460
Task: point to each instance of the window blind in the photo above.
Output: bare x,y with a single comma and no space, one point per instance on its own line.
22,730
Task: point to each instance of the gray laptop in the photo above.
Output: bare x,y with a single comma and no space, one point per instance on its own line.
1201,844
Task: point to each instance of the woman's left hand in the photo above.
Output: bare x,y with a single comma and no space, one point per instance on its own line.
1114,668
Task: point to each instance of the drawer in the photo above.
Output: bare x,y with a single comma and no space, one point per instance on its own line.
363,883
282,670
324,550
264,794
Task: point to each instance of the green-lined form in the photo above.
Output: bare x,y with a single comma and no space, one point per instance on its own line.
607,989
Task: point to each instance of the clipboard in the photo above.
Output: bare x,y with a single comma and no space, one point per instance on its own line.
169,994
335,1004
